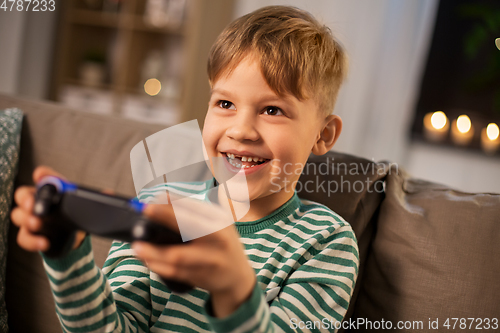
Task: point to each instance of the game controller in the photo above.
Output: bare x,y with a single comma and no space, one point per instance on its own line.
66,208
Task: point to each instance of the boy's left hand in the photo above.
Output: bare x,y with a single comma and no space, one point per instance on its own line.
215,262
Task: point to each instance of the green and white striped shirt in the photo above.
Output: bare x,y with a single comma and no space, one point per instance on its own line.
305,257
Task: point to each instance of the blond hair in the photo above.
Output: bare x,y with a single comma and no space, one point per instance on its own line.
297,54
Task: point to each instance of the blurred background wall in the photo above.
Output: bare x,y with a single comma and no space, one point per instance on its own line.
387,41
27,40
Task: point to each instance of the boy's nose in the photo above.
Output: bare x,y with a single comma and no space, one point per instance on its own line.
243,128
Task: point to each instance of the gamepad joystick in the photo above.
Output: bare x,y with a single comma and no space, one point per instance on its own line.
66,208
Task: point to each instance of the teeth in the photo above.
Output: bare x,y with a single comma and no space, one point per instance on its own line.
234,163
239,165
245,158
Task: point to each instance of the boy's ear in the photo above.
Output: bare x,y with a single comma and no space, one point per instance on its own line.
328,135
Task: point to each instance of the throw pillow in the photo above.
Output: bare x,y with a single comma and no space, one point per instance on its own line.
10,133
433,265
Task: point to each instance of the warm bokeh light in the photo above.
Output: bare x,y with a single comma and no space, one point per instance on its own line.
152,87
438,119
492,131
497,43
463,124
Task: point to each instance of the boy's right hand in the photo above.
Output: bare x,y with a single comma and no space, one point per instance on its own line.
29,224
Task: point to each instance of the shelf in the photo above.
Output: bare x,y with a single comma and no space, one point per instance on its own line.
128,45
140,25
115,20
87,99
79,83
474,149
94,18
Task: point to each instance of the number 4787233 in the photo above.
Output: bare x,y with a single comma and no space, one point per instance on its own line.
28,5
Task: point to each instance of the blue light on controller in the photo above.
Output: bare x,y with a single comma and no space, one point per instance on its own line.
137,205
61,185
68,187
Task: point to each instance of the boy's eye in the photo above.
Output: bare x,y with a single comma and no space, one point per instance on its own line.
273,111
226,105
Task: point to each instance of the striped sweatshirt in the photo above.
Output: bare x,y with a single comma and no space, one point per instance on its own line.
304,255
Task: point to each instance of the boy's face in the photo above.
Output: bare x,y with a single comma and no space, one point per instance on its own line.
245,119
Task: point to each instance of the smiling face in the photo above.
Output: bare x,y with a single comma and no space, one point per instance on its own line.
266,136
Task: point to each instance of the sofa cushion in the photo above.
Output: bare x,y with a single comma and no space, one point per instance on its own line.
434,256
10,132
352,187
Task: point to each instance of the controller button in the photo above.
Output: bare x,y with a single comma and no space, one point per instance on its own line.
39,208
139,231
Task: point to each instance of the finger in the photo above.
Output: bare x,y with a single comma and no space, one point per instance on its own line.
163,214
22,218
189,274
147,252
43,171
108,191
168,272
25,197
17,216
79,238
31,242
177,255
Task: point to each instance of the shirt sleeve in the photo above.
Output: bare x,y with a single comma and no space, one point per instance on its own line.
315,297
88,299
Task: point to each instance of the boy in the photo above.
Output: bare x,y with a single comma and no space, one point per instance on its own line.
287,265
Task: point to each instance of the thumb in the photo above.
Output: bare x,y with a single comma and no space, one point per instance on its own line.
162,213
44,171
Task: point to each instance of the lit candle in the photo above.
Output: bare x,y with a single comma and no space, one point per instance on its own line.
436,126
462,131
490,138
152,87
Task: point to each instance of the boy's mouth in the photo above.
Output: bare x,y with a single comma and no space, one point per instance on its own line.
244,162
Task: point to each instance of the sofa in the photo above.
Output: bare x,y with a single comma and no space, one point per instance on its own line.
429,254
